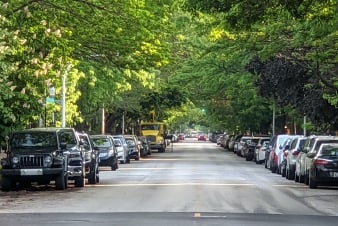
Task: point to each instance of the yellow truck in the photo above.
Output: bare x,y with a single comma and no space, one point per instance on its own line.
156,133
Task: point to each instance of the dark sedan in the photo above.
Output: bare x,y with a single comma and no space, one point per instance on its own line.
107,151
324,166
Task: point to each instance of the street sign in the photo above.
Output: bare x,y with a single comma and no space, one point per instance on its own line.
50,100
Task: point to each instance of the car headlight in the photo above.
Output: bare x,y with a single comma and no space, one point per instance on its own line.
87,156
48,159
15,160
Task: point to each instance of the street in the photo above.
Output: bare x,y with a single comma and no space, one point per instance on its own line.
196,179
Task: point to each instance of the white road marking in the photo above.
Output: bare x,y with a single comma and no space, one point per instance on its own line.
167,184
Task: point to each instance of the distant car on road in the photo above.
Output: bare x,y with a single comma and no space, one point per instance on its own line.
202,137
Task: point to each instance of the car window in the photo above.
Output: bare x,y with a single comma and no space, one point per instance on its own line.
130,142
329,151
117,142
31,140
101,142
68,137
320,142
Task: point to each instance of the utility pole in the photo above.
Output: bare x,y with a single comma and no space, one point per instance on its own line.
63,103
103,125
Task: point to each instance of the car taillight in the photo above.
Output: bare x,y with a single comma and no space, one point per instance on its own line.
275,157
295,153
321,162
286,153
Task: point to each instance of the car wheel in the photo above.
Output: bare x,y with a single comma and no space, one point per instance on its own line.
273,169
7,184
306,179
287,173
291,175
312,183
60,181
115,166
80,181
283,171
248,158
92,175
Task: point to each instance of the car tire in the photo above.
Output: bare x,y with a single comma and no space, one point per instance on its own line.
306,179
115,165
92,175
7,184
80,181
283,171
312,183
60,181
291,175
273,169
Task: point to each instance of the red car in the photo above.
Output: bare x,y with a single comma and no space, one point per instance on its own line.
202,138
180,136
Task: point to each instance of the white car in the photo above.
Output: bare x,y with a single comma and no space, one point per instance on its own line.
122,149
260,150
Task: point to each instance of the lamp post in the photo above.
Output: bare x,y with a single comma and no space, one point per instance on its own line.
50,99
63,101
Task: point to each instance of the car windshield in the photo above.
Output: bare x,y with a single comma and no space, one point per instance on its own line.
117,142
33,140
149,127
102,142
130,142
329,151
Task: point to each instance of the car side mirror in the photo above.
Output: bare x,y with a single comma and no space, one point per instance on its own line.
311,155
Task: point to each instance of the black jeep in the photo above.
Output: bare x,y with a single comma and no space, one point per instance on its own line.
42,155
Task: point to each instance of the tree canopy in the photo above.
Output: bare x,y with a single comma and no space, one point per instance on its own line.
219,64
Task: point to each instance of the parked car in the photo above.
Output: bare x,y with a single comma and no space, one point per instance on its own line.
232,143
237,140
106,149
282,156
91,158
76,161
311,145
133,149
241,143
122,148
275,147
323,165
260,149
249,147
296,146
313,150
202,137
145,146
42,155
181,136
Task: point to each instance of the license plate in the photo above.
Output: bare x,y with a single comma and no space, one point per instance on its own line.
31,172
335,174
103,154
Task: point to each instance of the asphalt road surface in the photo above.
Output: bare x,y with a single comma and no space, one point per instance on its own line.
198,183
